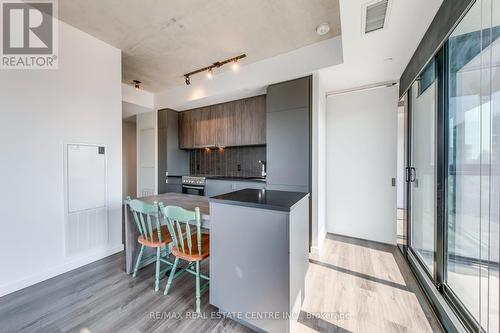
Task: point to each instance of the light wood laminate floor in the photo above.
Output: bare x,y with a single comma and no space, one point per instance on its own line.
352,286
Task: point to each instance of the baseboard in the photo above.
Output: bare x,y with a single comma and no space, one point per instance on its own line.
314,250
392,243
73,263
321,241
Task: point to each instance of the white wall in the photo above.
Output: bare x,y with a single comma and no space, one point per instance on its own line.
131,109
360,161
40,110
138,97
129,146
318,196
147,153
400,181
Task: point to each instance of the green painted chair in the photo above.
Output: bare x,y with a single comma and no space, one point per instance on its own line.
190,245
152,234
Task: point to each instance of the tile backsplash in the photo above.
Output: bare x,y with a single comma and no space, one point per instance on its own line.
230,161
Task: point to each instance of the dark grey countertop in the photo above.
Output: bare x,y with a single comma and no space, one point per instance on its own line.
266,199
249,179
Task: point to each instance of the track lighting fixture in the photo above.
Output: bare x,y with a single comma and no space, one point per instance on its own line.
209,69
137,84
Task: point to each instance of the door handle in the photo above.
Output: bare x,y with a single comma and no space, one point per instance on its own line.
411,174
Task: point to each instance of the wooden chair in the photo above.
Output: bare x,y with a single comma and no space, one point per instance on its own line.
189,245
152,234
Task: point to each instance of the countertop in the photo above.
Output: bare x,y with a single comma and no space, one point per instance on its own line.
186,201
265,199
249,179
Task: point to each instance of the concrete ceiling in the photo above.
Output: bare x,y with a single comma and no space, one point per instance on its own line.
161,40
382,55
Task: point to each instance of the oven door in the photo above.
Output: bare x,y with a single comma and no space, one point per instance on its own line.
195,190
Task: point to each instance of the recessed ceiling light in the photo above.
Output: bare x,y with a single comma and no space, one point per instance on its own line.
323,29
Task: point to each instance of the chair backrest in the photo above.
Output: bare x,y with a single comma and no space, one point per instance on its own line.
146,217
177,220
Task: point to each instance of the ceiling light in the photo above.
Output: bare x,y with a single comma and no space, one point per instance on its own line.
235,65
137,84
323,29
209,69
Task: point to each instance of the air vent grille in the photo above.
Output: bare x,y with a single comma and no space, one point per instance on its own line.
375,16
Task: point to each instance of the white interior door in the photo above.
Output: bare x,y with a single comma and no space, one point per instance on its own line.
361,154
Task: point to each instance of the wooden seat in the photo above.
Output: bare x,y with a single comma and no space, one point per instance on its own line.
155,242
194,255
189,244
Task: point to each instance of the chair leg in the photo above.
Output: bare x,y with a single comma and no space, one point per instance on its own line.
171,277
138,261
198,287
157,275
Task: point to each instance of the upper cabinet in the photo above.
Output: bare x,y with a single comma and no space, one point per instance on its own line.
236,123
204,127
288,135
253,119
186,130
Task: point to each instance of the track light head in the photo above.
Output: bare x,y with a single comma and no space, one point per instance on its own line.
235,66
188,80
209,73
137,84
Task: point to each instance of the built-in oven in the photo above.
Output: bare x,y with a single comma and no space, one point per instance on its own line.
193,185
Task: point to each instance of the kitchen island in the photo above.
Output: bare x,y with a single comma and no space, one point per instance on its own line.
186,201
259,255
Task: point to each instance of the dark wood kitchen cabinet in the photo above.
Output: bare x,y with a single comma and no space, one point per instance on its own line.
236,123
205,131
228,126
253,120
186,130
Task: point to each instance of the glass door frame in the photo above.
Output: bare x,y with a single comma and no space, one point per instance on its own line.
442,203
441,191
438,180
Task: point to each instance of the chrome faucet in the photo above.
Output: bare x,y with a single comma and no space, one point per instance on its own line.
263,172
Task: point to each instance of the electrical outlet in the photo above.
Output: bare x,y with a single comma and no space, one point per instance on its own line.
239,167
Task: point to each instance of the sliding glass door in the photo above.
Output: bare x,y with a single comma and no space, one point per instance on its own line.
421,174
454,170
472,167
466,150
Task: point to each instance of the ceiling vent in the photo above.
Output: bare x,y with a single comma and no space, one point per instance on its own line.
375,15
